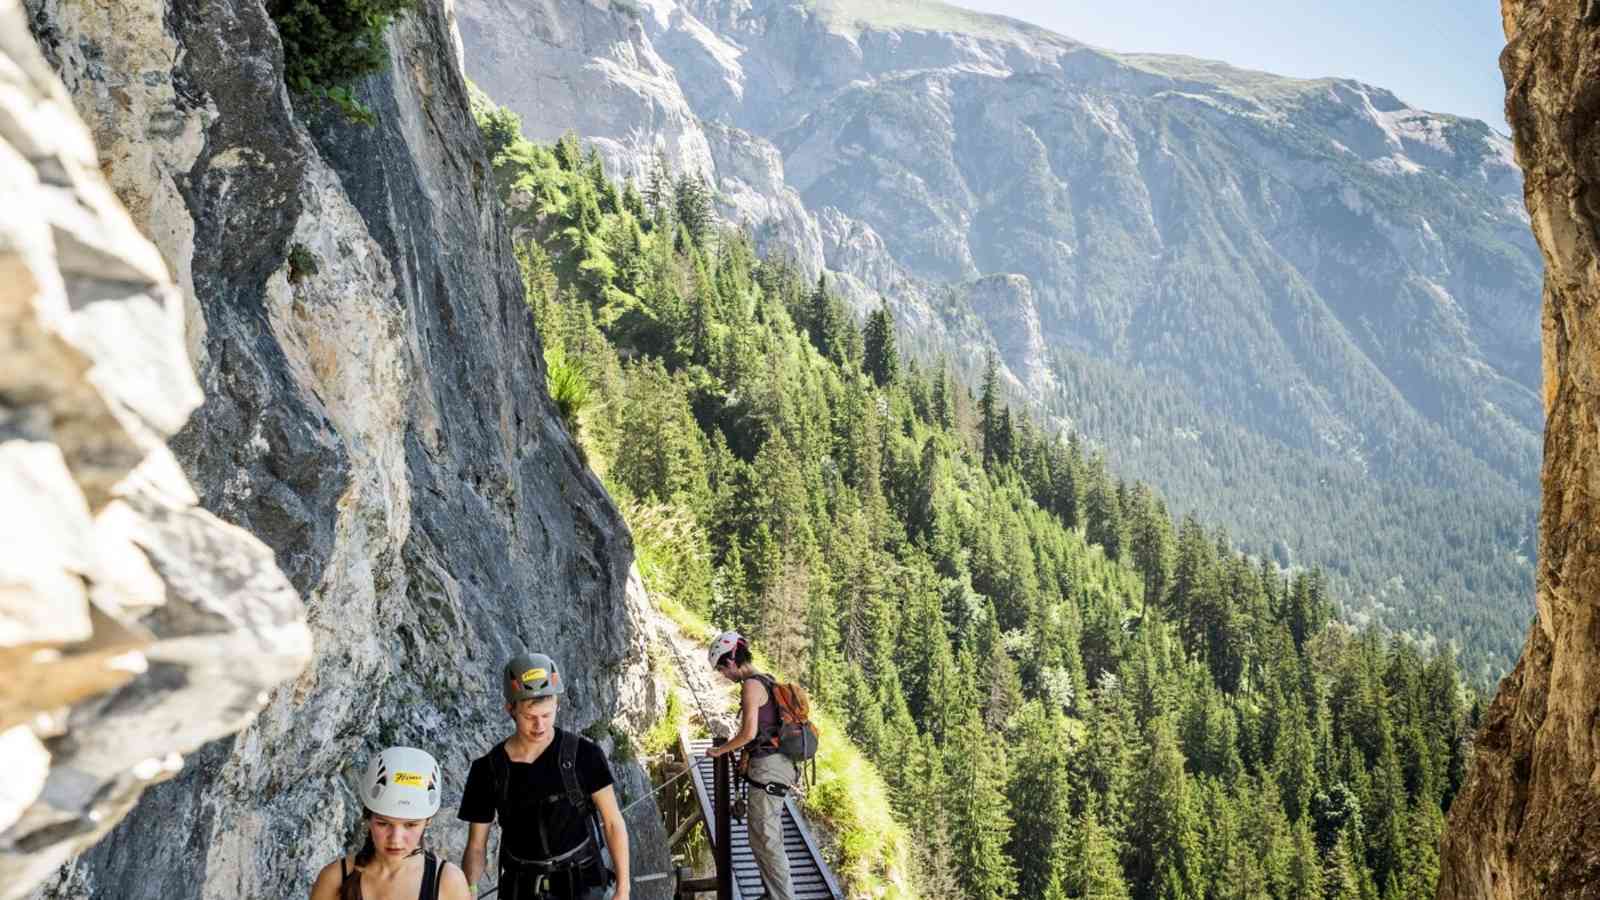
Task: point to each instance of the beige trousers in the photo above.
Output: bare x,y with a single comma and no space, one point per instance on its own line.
766,824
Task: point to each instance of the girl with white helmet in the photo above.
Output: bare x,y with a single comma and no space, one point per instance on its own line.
400,791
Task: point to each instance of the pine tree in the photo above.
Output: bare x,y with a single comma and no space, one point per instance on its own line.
692,201
1295,760
1003,694
634,204
658,188
569,152
1040,800
1163,839
1340,879
988,411
864,716
1305,866
943,404
1418,875
881,360
980,817
1386,816
931,806
1090,870
899,733
1104,524
666,457
1150,533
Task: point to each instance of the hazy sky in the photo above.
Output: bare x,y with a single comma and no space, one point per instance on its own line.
1439,55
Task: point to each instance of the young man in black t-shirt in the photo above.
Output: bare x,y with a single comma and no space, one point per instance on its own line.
547,849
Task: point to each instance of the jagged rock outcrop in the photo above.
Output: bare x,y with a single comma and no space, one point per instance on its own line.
134,625
375,412
1006,302
1527,822
585,65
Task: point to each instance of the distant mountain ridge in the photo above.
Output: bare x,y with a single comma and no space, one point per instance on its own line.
1297,306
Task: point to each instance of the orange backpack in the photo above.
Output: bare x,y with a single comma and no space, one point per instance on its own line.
795,735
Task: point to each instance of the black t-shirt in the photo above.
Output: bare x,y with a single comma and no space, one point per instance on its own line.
535,791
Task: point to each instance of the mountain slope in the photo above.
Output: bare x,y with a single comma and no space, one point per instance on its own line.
1308,270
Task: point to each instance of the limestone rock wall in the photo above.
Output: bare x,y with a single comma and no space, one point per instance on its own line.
1527,823
375,412
134,625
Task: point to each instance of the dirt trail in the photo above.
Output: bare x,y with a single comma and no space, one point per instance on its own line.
687,657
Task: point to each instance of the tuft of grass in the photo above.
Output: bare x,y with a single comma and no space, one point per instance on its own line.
851,800
663,735
569,385
302,263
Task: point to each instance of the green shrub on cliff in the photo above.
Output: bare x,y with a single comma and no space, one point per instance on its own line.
327,44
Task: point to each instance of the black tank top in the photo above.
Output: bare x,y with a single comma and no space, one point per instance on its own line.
431,877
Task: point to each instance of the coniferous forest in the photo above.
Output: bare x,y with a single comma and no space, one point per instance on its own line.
1069,692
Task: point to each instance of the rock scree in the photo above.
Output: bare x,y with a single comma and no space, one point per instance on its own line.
375,412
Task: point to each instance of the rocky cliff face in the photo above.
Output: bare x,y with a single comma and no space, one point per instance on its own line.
1311,268
1527,824
134,625
375,412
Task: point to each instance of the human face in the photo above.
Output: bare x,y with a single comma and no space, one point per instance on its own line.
727,668
396,838
535,718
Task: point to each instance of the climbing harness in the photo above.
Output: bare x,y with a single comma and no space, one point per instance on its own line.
642,879
775,788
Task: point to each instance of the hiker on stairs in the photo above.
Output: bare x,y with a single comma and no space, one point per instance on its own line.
561,834
770,773
401,793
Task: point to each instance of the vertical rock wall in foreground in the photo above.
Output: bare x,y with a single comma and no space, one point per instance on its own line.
134,625
1527,823
375,412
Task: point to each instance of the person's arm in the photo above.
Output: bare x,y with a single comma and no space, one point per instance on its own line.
453,885
616,832
475,858
752,698
326,886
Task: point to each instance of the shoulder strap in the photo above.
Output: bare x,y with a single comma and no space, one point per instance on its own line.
430,877
501,770
771,684
569,768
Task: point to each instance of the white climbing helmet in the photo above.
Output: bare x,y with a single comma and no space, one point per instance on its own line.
726,643
402,783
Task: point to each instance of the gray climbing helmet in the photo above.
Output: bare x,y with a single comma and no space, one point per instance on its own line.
529,676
